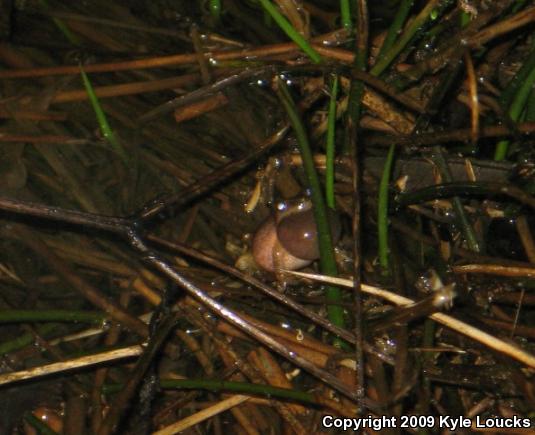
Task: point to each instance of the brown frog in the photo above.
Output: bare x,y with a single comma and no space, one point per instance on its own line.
288,238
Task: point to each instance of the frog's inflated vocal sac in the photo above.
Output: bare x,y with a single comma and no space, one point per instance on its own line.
288,239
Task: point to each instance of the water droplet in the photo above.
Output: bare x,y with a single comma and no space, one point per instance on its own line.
281,206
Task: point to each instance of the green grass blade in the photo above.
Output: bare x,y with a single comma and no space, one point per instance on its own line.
460,215
530,107
345,14
356,89
508,94
63,28
382,212
105,128
386,55
330,145
25,316
26,339
421,19
40,426
517,106
396,26
292,33
327,260
215,9
216,385
238,387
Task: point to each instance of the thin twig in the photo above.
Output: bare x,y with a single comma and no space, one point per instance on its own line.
493,31
461,135
200,416
459,326
212,180
76,363
153,259
496,269
160,61
267,290
200,93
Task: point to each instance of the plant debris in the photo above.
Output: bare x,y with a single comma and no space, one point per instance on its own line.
142,145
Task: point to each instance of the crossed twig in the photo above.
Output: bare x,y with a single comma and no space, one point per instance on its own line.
131,229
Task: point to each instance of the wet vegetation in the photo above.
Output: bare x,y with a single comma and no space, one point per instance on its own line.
240,216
